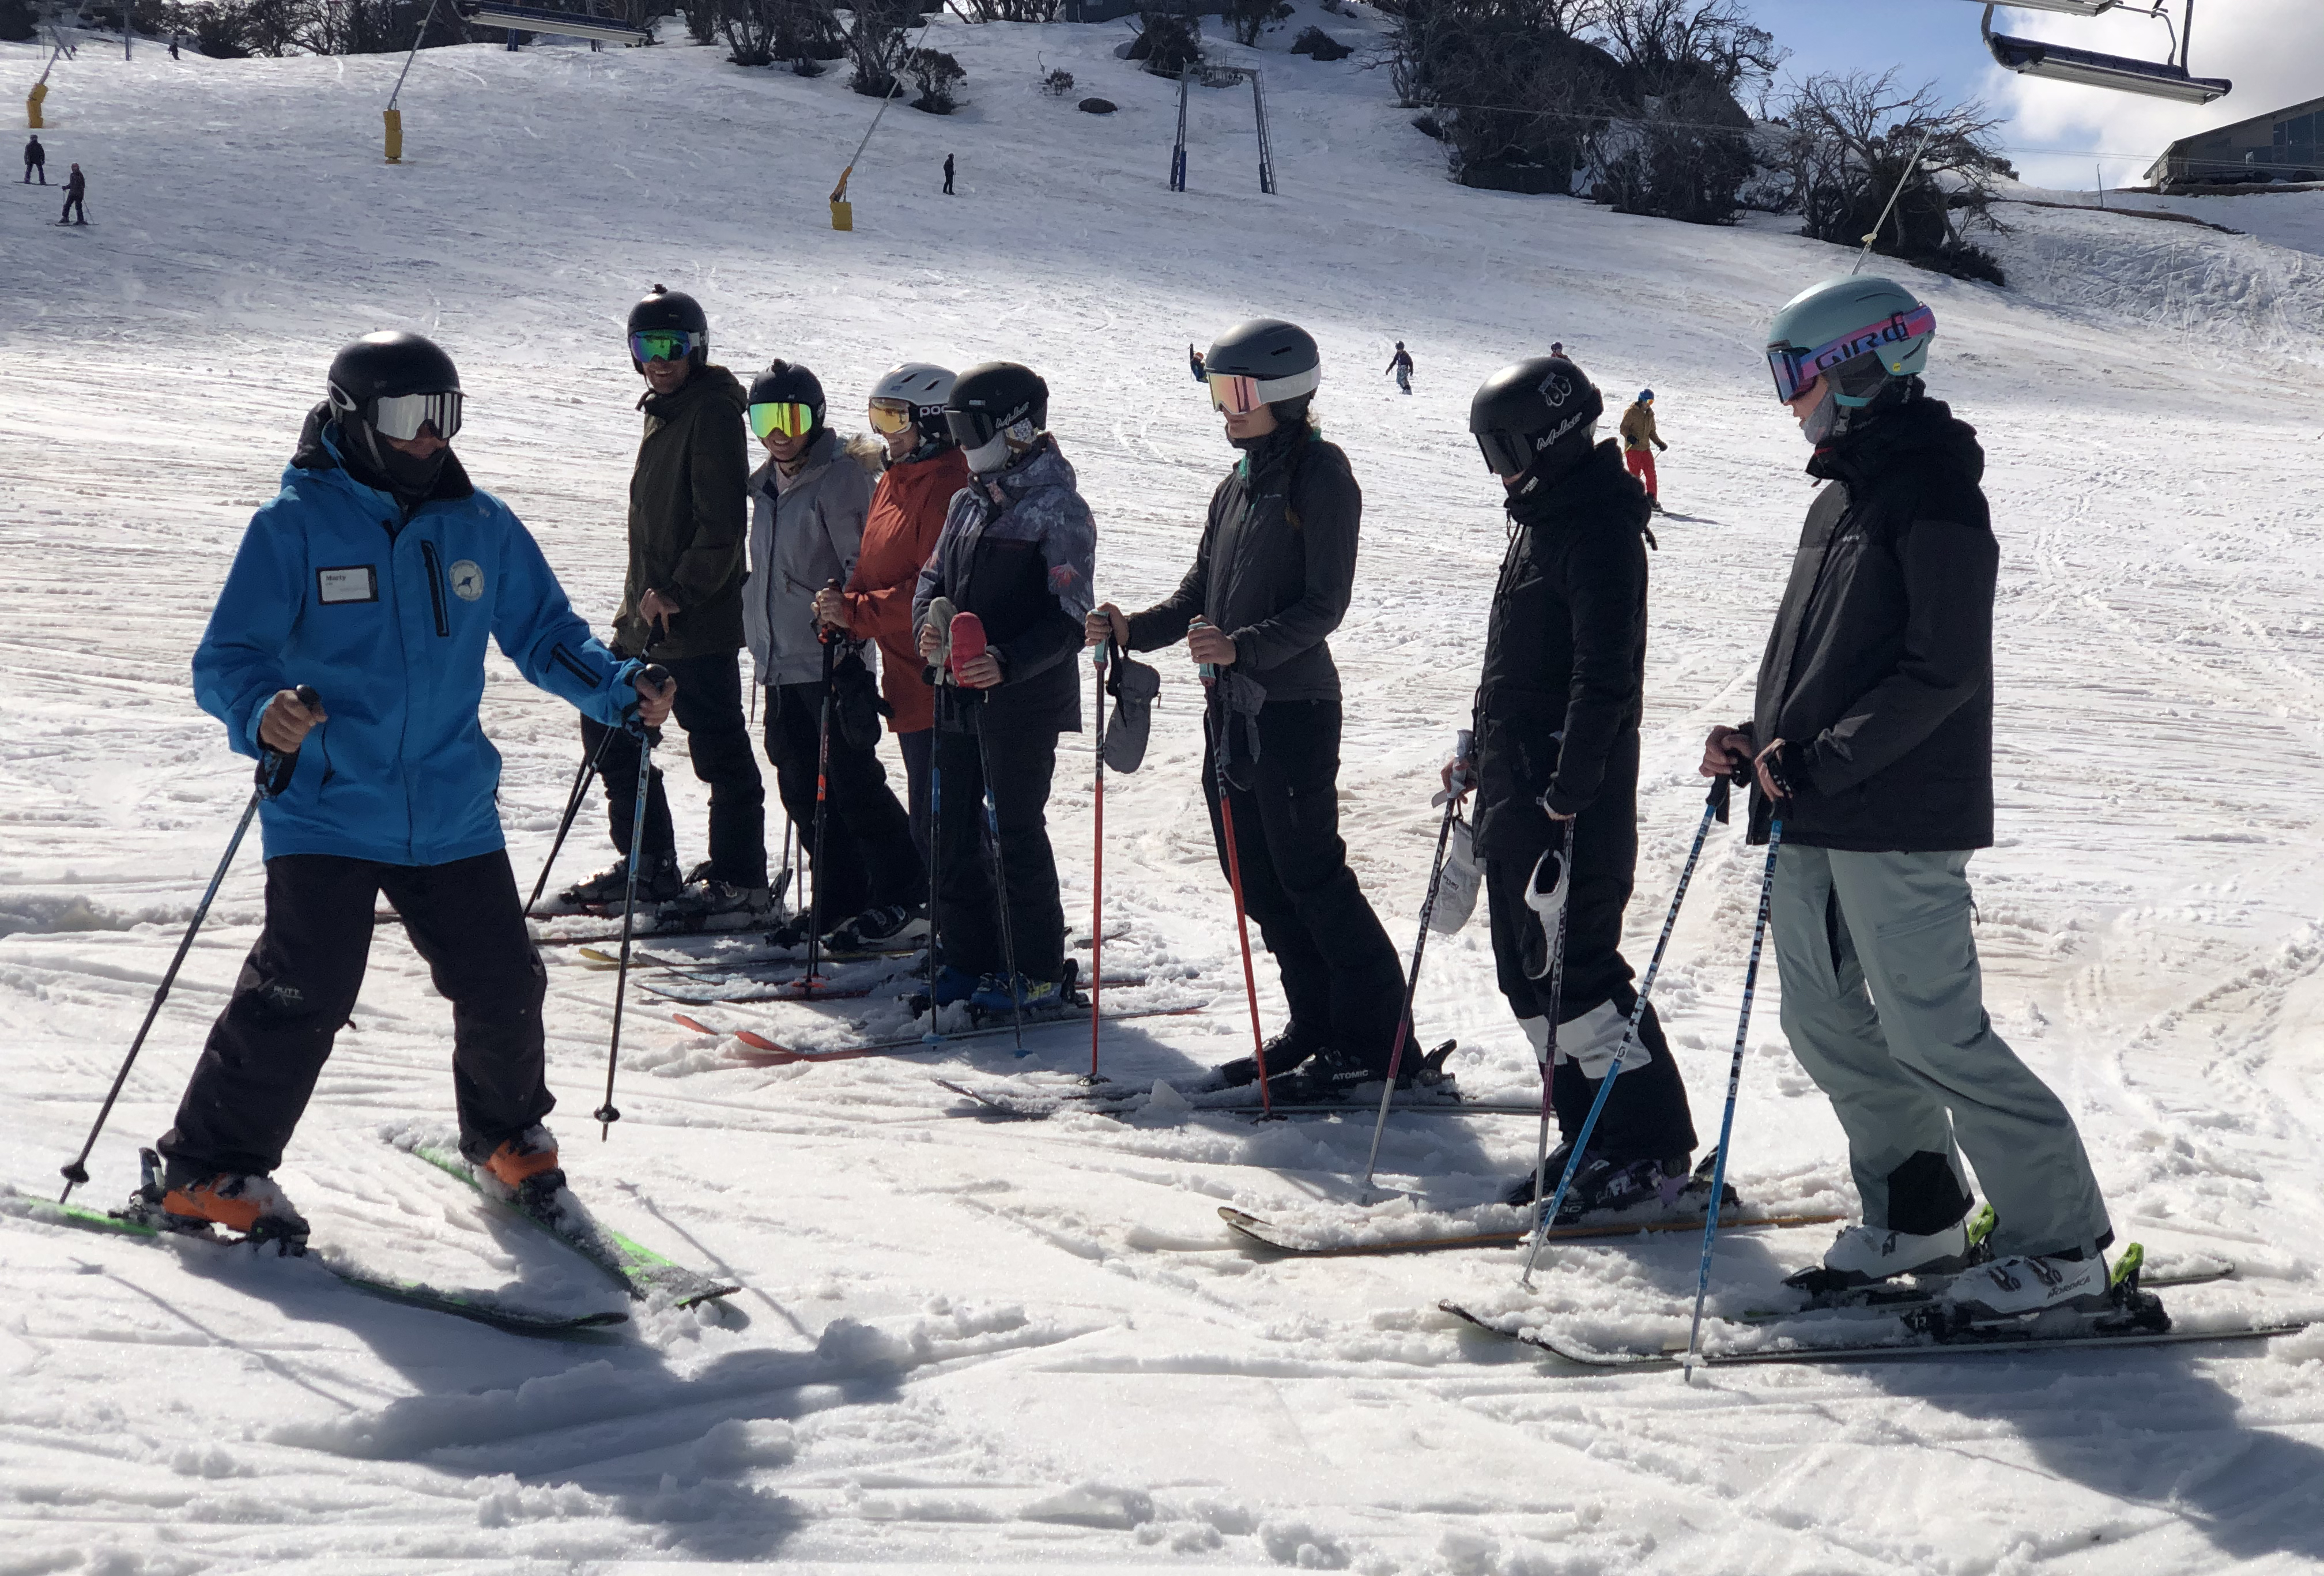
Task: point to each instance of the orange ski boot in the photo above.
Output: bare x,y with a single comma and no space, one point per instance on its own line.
526,1164
249,1205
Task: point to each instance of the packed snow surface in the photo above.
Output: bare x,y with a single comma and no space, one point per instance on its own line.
968,1342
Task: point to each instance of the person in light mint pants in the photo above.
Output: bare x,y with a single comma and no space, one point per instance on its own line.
1871,744
1922,1076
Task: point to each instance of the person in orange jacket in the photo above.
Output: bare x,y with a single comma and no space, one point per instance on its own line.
925,469
1637,432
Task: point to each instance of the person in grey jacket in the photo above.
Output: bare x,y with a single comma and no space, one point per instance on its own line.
1269,584
1872,740
807,504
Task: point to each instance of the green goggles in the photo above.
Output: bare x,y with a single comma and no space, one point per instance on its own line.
789,418
663,345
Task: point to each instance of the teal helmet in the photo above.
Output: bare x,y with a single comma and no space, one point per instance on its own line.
1863,329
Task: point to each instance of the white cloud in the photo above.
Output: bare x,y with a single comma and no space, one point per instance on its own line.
2273,49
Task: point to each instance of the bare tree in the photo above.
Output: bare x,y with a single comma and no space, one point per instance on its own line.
877,35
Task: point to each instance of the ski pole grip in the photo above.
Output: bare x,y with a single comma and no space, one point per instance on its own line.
275,767
658,677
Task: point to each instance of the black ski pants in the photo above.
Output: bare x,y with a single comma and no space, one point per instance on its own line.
1022,763
709,708
72,207
1646,1116
867,857
39,169
299,983
1340,971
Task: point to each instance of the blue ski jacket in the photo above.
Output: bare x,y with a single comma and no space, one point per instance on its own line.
386,616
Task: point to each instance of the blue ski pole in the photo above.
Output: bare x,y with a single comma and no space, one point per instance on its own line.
1734,1085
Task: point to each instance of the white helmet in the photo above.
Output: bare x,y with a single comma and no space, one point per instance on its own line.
925,388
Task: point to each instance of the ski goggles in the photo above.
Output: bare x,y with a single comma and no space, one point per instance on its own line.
1795,368
403,416
890,417
664,345
1234,394
789,418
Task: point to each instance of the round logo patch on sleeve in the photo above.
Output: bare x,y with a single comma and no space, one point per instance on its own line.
467,580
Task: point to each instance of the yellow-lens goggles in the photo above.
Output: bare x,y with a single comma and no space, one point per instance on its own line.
888,417
790,419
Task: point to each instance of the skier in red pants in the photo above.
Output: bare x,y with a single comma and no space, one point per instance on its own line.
1637,432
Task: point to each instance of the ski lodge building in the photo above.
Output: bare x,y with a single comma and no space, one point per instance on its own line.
2280,146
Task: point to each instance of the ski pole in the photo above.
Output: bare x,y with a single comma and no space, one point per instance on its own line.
1097,862
1549,1053
1235,880
572,808
1713,807
822,802
274,771
1412,983
1734,1085
966,645
658,677
940,611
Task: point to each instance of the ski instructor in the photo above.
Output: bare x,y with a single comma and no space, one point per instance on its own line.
1556,725
1872,738
376,575
1270,582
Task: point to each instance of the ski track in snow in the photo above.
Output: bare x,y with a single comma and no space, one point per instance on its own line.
1033,1345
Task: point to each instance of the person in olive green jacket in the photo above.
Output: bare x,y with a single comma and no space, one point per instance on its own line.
682,606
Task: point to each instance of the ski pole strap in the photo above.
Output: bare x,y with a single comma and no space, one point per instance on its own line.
657,677
276,766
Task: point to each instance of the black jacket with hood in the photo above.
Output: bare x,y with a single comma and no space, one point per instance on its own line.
1565,652
690,512
1878,675
1276,566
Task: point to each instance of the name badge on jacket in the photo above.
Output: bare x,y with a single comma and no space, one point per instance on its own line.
351,582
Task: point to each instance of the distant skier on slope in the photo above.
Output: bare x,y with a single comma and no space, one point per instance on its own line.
377,575
36,160
1270,583
1400,363
1637,432
1557,729
1018,550
76,190
1873,741
682,605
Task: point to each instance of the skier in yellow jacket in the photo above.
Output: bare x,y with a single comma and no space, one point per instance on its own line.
1637,432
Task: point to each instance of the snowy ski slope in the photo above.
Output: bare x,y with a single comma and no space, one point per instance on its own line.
1033,1346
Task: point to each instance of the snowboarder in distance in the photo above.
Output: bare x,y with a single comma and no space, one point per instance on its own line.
948,190
36,160
1400,363
1872,739
1556,730
808,505
682,607
1018,549
1637,432
76,188
409,809
915,491
1270,582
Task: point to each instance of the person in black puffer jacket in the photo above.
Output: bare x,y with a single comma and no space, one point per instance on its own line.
1872,740
1269,584
1556,730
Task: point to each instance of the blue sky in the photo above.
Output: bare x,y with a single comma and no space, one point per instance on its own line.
2272,49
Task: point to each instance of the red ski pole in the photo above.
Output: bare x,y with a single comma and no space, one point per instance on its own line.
1234,881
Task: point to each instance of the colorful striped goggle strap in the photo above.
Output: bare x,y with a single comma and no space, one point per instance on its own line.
1795,368
1238,394
403,416
789,418
665,344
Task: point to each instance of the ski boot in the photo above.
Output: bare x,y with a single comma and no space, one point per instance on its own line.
1047,997
1861,1257
250,1207
522,1170
952,985
884,929
657,882
1604,1185
2046,1294
1329,1076
706,903
1285,1052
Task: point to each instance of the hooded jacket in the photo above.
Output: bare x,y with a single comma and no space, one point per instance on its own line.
805,532
1276,566
1638,426
686,517
386,615
906,515
1019,551
1566,652
1878,674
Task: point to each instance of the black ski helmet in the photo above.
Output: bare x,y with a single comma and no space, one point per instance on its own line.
1530,408
787,383
1281,356
663,307
991,404
392,365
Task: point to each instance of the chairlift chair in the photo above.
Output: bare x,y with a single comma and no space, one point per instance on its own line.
2124,74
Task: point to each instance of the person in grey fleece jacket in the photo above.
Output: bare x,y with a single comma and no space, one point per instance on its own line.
807,504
